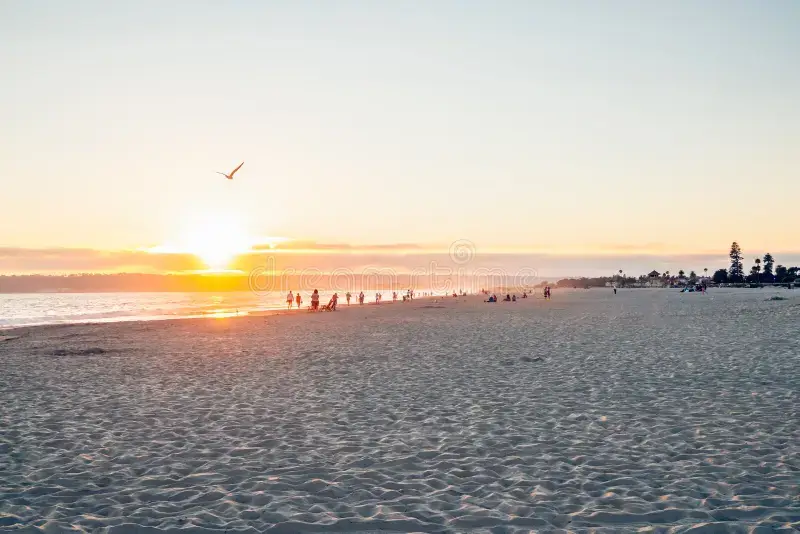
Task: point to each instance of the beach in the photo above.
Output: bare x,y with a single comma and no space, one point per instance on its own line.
648,410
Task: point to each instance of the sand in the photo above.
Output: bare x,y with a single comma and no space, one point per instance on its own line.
648,411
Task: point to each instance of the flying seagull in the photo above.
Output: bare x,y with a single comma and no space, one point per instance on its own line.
230,176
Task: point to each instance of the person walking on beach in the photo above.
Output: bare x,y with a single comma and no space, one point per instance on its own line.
334,300
361,298
315,300
289,300
299,300
347,296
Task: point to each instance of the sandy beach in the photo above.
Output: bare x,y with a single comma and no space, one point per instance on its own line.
649,411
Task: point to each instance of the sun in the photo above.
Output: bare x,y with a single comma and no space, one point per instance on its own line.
216,239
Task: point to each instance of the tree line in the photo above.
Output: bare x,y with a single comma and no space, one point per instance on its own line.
763,271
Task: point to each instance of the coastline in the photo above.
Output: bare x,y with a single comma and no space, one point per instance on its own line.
102,308
13,330
211,316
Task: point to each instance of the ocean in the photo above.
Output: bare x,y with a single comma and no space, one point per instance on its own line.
30,309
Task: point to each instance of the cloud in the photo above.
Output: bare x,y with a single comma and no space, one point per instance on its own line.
70,260
402,258
314,246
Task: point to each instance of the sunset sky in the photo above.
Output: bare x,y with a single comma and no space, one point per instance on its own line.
569,128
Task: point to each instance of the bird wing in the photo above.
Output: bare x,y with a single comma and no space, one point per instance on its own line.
223,174
236,169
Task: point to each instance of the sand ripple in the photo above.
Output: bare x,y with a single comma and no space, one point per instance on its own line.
653,411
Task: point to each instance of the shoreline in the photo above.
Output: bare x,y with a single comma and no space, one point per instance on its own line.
13,331
225,313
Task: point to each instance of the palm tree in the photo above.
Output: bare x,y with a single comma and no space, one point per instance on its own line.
681,274
705,271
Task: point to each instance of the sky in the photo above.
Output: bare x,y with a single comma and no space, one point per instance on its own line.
568,128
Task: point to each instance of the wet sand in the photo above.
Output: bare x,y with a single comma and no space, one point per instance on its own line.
648,411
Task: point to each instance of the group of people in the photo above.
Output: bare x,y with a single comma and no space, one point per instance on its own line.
297,300
508,298
407,297
292,299
513,298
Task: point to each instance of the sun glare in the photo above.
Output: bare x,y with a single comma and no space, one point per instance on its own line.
216,239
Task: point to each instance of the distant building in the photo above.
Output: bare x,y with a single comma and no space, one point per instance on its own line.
654,279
